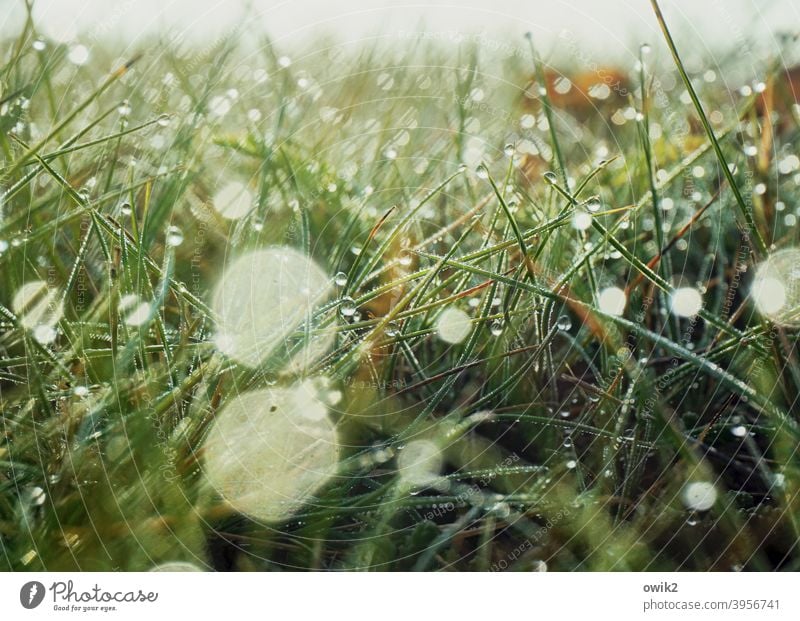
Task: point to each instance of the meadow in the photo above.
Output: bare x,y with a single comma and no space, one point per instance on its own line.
442,302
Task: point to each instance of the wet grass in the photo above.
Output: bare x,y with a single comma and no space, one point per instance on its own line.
425,177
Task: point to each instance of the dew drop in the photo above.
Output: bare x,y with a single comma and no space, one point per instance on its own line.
740,431
174,236
347,306
592,204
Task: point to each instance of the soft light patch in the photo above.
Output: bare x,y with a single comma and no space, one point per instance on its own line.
453,325
776,288
270,450
699,496
38,309
233,200
262,298
686,301
419,464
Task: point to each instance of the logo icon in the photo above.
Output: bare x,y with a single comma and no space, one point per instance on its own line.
31,594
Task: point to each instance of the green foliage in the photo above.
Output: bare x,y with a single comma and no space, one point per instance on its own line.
569,432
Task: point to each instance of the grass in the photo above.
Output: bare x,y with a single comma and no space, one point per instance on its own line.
426,177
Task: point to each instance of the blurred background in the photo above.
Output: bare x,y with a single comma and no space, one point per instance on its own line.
612,27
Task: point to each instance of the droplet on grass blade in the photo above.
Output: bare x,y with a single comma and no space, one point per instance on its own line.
347,306
266,456
262,298
174,236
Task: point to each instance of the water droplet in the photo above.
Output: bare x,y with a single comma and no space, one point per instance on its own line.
509,149
340,279
392,329
347,306
496,327
539,566
39,45
564,323
740,431
645,48
405,258
482,171
571,464
174,236
80,391
35,496
163,120
550,177
124,109
592,204
125,209
692,520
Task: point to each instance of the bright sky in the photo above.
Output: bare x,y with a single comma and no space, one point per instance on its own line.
609,25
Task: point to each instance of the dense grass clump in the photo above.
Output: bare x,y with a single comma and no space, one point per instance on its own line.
550,327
